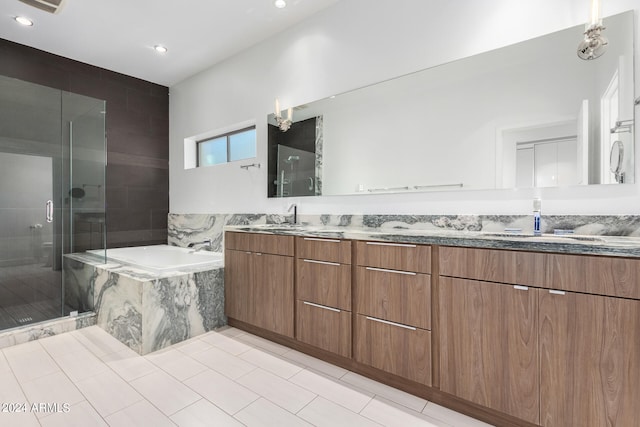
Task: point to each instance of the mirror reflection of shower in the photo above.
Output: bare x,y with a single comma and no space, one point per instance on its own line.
295,159
296,172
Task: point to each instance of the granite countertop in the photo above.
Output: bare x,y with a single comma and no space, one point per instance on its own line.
569,244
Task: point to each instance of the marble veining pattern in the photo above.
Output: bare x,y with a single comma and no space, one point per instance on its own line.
149,310
576,244
49,328
211,226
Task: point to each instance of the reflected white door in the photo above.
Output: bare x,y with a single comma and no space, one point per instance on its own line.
582,147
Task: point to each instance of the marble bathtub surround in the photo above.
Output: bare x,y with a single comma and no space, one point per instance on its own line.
188,228
151,310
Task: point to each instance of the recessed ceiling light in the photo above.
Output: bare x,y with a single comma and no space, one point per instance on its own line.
160,49
280,4
24,21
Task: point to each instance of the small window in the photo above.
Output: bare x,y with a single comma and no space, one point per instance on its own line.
229,147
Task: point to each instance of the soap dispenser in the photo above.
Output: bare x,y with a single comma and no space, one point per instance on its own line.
537,204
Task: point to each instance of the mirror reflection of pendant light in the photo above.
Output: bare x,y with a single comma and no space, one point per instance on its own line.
283,124
594,43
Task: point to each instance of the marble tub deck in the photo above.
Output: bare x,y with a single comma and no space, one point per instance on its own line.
148,310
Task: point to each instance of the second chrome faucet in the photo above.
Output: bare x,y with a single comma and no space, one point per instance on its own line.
206,244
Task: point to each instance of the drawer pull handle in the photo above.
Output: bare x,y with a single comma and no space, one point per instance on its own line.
521,288
554,292
313,239
386,322
324,307
384,270
399,245
313,261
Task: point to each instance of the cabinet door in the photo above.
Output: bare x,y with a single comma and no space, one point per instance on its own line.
394,256
590,360
398,296
392,347
238,285
273,293
326,283
493,265
257,242
325,327
489,345
333,250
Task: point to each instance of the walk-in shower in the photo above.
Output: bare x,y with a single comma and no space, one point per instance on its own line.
52,196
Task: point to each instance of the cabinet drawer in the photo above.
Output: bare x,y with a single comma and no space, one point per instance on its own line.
595,275
334,250
515,267
394,348
398,296
324,282
325,327
394,256
263,243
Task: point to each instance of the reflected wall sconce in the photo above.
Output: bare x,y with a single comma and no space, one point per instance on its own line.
283,124
594,43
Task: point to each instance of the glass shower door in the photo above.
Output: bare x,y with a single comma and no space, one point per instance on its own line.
52,199
30,197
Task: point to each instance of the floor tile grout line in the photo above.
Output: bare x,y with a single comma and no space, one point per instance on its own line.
274,373
386,397
269,400
332,379
310,402
92,376
129,383
86,399
375,396
20,384
315,370
144,399
213,403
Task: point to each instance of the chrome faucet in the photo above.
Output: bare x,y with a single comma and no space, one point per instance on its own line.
206,245
294,206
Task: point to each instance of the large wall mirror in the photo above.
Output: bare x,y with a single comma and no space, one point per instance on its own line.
532,114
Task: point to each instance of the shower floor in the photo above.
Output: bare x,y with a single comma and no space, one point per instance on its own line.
29,294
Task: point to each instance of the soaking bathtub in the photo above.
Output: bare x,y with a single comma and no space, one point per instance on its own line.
162,257
149,297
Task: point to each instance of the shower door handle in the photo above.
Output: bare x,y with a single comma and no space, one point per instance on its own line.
49,211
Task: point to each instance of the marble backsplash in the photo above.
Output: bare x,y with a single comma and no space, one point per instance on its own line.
189,228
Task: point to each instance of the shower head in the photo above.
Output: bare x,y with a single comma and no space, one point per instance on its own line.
292,159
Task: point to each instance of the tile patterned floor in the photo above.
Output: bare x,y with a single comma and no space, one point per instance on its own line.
222,378
29,294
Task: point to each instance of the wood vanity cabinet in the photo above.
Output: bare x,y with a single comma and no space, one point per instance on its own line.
393,309
323,293
543,354
489,345
589,359
259,280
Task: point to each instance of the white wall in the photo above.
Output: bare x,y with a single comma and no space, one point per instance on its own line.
349,45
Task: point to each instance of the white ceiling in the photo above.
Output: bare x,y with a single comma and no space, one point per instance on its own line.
119,35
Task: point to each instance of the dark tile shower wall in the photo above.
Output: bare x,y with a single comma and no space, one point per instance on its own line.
137,138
